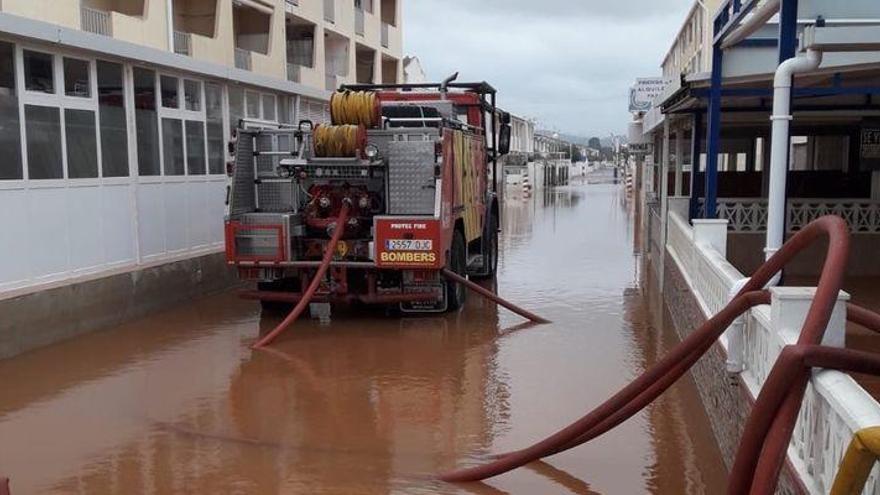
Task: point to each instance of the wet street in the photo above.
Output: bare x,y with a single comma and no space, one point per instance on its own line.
373,404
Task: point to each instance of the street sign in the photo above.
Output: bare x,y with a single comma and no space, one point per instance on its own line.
644,91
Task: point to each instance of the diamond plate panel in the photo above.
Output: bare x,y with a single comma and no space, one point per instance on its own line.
243,199
411,188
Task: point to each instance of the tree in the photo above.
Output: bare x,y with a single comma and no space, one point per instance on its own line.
577,156
595,143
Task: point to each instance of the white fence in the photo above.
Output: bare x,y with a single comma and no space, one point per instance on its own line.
750,214
834,407
182,43
96,21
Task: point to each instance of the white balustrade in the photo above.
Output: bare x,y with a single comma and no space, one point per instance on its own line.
749,215
96,21
834,407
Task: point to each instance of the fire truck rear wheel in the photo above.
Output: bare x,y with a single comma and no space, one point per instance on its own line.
491,259
456,293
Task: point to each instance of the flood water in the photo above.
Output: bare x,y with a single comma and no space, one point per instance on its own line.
373,404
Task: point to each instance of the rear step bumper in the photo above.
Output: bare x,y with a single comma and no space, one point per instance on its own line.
295,297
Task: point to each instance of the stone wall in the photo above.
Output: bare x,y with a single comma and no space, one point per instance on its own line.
49,316
725,397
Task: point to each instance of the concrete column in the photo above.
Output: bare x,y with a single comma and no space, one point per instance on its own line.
712,232
789,306
679,161
875,185
664,182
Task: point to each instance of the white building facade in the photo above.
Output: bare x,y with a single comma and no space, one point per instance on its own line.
116,116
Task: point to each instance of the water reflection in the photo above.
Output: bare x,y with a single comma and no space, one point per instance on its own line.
372,403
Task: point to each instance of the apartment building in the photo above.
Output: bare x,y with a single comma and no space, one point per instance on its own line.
688,54
115,115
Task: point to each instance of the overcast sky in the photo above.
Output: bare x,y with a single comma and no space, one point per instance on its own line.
567,63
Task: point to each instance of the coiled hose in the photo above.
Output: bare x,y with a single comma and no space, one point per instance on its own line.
338,141
316,281
359,108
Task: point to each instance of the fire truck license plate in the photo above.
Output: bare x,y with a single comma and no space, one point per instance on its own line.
409,245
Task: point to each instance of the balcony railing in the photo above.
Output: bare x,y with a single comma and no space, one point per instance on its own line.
331,82
243,59
96,21
182,43
330,10
749,215
294,72
359,21
292,3
385,34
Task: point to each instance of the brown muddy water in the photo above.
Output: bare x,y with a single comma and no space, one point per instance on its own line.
373,404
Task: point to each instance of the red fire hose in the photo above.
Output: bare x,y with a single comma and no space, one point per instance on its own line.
316,281
4,486
768,431
493,297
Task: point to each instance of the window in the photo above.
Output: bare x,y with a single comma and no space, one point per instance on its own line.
172,143
82,144
216,142
284,110
192,93
111,108
252,102
269,107
43,128
146,122
10,126
170,89
76,78
258,106
38,73
236,105
195,147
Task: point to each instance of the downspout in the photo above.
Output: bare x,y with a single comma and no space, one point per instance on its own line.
780,142
169,20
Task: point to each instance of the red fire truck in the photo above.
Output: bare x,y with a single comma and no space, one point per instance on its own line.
414,165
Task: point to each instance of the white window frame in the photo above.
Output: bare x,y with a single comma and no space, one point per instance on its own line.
261,120
62,102
225,125
182,114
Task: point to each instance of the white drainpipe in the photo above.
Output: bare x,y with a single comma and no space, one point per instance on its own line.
780,143
169,19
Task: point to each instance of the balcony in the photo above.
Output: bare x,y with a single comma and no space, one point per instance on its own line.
96,21
294,72
243,59
300,38
359,21
365,64
252,29
386,28
330,10
182,43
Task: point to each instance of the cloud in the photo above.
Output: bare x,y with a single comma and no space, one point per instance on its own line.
580,9
567,63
